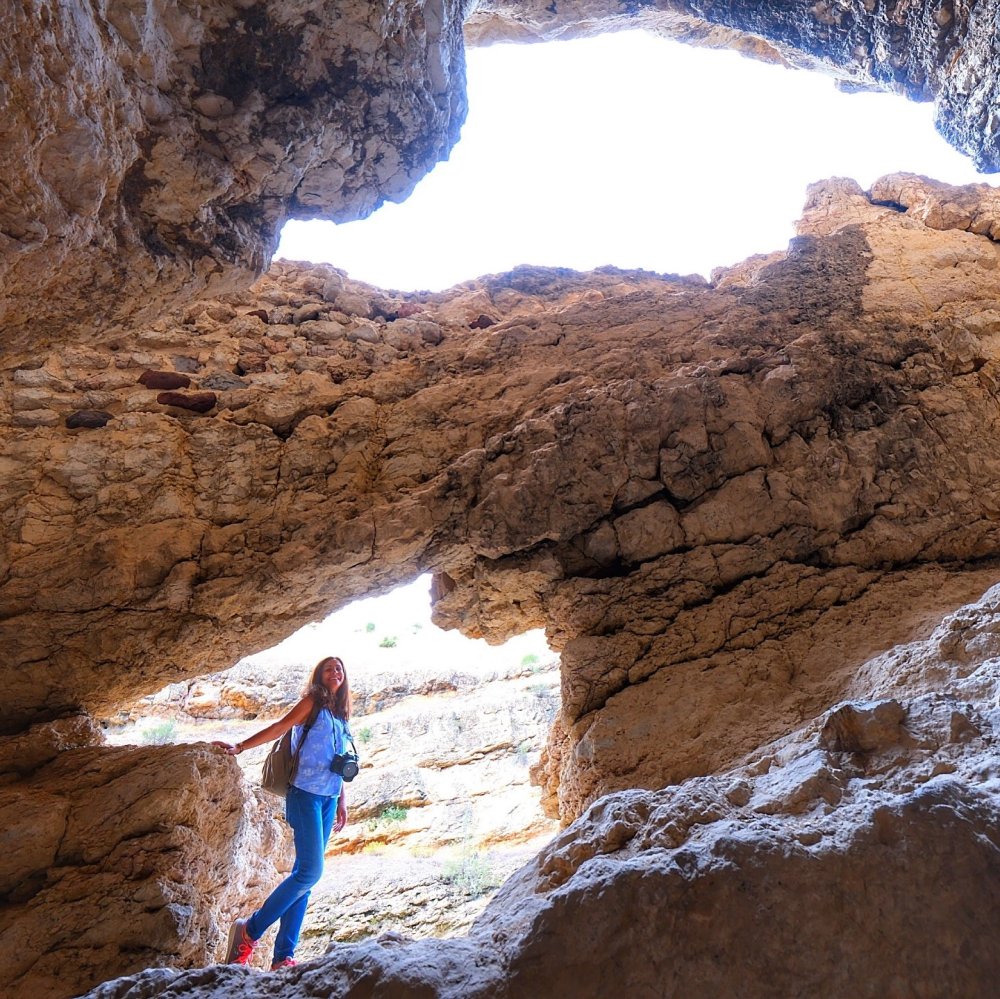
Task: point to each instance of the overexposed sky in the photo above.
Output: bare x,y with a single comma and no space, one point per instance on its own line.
629,150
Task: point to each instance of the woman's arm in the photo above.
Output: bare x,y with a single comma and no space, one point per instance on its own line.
275,730
341,820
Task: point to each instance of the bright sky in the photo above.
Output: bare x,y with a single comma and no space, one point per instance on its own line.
629,150
401,617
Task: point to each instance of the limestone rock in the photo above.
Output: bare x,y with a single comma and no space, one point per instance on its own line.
715,498
153,153
89,419
118,859
758,880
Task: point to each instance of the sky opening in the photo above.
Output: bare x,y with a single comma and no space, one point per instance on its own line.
629,150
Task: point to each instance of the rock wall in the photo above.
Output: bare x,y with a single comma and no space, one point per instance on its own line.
858,856
712,496
151,151
116,859
720,499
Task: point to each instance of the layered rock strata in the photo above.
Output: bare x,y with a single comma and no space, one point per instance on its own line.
710,495
857,856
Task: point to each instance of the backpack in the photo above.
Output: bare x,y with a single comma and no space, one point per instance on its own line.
281,762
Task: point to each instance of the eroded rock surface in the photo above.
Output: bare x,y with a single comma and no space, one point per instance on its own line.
152,151
122,858
716,498
759,880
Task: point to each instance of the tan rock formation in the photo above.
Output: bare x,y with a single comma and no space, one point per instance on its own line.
152,151
720,500
122,858
858,856
711,496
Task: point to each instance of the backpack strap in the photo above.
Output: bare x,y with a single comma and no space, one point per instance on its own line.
310,721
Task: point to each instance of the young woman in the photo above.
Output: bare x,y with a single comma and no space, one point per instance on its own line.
314,807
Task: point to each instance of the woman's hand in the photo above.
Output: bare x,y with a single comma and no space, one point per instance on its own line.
341,820
275,730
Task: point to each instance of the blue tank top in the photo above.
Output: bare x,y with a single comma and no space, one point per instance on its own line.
324,740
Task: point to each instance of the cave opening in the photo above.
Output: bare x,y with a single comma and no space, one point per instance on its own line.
630,150
448,729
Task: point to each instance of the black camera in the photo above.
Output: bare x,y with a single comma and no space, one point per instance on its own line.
345,764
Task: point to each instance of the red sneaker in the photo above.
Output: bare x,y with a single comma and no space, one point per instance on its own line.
285,962
240,949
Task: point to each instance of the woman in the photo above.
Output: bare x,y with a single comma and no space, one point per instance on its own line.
314,807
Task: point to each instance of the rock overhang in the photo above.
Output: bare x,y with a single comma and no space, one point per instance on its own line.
792,472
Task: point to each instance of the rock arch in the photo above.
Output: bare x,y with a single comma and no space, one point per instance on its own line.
721,498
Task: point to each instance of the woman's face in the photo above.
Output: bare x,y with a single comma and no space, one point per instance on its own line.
332,675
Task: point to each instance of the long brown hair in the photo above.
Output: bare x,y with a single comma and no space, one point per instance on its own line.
338,703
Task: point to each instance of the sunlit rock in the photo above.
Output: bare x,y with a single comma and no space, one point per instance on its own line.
151,152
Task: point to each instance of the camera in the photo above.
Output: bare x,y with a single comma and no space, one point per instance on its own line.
345,764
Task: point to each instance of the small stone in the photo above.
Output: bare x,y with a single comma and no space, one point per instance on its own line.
430,333
306,312
354,305
184,363
163,379
332,287
261,314
197,402
223,381
163,338
24,398
38,378
275,346
99,400
36,418
88,419
482,322
367,334
251,363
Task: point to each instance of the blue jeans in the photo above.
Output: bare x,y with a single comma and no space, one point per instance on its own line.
311,817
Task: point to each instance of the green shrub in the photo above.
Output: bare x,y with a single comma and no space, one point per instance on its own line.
389,642
529,660
370,627
365,735
471,873
390,815
160,734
